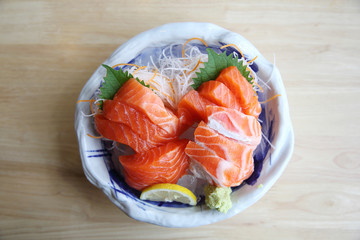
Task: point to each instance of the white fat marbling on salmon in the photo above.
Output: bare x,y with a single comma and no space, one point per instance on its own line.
146,101
234,124
163,164
207,165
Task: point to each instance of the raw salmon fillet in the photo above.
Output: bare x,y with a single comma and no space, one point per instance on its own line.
242,89
254,108
163,164
137,121
206,164
234,124
231,150
219,94
121,133
146,101
191,108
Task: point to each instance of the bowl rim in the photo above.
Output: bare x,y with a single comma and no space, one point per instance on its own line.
284,138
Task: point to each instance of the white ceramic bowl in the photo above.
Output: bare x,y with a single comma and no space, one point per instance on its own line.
276,125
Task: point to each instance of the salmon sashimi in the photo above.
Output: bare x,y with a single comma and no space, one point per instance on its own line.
231,150
254,108
206,164
163,164
219,94
234,124
137,121
191,108
146,101
236,82
121,133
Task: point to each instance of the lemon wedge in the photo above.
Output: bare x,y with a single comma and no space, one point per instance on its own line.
167,192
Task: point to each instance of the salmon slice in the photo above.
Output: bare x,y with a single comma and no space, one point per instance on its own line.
234,124
231,150
146,101
242,89
206,164
137,121
163,164
121,133
219,94
254,108
191,108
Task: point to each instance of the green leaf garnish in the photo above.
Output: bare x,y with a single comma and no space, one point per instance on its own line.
216,63
114,79
143,83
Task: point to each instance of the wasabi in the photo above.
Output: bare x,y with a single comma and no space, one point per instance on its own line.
218,198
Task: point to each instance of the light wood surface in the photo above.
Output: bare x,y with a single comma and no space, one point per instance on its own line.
49,49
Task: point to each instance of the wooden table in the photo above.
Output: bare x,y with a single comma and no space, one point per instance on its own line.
49,49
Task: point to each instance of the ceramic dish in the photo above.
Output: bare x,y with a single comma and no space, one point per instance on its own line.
276,125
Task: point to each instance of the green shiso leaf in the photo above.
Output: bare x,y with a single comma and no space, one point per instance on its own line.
113,80
143,83
216,63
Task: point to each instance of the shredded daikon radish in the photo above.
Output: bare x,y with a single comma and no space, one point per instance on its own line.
267,140
173,78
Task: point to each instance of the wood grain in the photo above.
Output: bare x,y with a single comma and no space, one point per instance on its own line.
48,50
